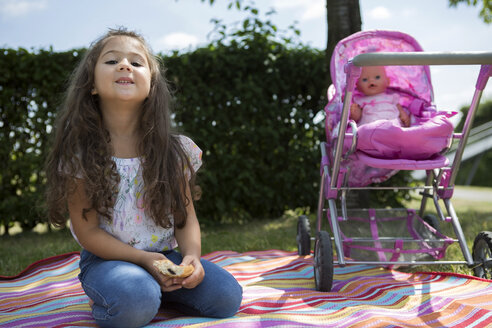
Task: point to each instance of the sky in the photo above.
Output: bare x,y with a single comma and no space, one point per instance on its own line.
186,24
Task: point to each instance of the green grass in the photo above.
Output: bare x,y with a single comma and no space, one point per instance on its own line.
21,249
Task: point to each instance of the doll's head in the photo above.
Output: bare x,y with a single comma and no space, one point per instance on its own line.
372,80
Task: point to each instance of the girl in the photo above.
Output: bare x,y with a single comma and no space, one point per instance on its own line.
127,183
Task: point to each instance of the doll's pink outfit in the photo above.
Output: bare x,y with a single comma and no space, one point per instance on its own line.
378,107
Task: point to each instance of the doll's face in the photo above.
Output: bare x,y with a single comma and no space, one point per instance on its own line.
372,80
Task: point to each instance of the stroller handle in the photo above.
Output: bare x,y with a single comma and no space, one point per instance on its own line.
423,58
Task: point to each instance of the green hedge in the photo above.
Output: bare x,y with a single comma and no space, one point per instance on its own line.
30,87
483,174
249,106
251,109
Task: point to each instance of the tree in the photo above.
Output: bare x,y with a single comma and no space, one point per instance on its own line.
485,12
343,19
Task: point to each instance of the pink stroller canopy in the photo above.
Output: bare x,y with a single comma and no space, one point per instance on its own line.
413,80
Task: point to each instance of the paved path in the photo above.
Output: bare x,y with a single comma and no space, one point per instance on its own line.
473,194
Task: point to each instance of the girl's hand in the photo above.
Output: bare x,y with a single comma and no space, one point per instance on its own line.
198,274
167,284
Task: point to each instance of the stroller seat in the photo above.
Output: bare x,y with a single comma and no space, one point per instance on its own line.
384,144
385,139
434,162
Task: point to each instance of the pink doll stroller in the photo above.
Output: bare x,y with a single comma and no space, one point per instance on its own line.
355,157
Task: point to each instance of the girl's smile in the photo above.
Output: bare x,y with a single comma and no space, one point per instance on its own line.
125,80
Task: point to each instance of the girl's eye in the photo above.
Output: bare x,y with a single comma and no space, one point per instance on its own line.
111,62
136,64
378,77
364,80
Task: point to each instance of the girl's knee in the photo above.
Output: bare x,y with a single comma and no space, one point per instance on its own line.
128,315
225,307
227,300
130,302
128,310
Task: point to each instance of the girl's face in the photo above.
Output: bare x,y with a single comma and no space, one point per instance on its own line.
122,72
372,80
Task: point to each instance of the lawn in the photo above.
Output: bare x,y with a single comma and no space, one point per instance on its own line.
21,249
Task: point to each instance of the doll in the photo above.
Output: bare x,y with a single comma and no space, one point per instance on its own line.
375,103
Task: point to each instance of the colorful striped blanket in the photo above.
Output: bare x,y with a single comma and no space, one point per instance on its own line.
278,291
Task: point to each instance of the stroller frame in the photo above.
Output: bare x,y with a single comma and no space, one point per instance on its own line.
439,184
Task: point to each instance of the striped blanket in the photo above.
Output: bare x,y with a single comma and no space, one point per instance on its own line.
278,291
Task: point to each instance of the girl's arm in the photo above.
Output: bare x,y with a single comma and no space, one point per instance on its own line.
190,245
99,242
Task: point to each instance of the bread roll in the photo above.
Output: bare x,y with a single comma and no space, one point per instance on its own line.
170,269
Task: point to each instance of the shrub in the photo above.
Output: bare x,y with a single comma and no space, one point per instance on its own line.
30,87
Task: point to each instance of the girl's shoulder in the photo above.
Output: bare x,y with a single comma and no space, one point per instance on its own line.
192,150
185,141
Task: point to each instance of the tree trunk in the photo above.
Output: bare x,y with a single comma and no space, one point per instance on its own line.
344,19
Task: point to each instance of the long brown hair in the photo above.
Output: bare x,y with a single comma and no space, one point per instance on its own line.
82,147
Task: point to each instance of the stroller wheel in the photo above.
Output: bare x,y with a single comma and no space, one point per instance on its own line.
482,255
303,236
433,221
323,262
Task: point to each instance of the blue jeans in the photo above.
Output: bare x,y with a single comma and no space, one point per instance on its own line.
126,295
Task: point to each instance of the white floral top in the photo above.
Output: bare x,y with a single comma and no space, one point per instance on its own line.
130,224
